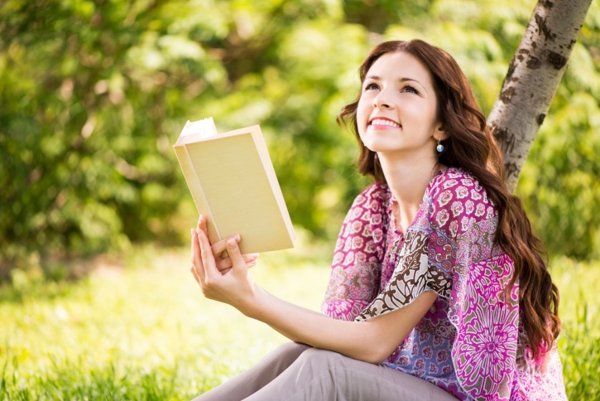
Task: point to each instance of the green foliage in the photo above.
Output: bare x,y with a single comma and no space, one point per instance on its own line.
85,97
133,333
93,94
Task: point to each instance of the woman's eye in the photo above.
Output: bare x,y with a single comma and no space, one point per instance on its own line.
371,86
410,89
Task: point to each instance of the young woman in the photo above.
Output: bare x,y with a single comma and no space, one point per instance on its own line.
438,288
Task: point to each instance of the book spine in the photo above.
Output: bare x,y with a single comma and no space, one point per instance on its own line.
193,182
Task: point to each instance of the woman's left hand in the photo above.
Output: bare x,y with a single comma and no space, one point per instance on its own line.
232,286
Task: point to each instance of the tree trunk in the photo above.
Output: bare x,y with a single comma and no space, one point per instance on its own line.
532,78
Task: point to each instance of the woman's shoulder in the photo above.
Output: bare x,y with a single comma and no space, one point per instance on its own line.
457,184
374,196
454,179
458,200
376,190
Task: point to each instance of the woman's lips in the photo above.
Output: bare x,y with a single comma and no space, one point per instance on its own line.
383,123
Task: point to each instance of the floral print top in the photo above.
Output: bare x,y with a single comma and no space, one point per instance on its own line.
469,342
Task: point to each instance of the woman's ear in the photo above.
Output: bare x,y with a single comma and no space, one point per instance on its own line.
440,134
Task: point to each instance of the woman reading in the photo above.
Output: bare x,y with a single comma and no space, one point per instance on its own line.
438,287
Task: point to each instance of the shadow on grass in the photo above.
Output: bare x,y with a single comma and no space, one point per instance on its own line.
59,278
46,290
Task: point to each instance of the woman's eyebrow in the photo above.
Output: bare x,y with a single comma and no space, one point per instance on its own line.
401,79
404,79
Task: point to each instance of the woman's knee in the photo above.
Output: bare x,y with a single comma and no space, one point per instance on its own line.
284,355
319,359
289,350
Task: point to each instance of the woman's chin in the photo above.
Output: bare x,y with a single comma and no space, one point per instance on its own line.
377,146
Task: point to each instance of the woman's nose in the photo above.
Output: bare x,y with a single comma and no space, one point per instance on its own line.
382,100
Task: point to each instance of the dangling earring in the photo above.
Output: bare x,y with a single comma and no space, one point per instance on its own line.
439,148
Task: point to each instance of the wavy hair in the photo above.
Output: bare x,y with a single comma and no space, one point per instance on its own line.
471,146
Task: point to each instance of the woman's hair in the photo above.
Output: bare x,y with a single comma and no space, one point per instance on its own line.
471,146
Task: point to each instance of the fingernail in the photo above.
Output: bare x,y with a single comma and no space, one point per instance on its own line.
231,244
238,238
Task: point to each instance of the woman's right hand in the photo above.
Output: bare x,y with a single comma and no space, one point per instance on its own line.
219,249
232,285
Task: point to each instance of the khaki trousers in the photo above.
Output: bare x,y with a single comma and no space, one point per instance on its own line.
296,372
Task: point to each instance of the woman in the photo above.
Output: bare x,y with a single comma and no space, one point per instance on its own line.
438,288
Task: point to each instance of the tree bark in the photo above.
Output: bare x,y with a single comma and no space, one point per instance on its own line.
533,77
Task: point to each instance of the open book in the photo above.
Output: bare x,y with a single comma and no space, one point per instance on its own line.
233,183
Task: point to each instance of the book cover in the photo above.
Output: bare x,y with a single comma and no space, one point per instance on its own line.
232,181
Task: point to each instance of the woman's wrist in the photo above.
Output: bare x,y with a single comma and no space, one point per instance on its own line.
253,305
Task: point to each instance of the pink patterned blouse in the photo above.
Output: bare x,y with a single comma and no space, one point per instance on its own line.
470,342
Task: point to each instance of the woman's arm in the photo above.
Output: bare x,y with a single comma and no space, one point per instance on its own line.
370,341
359,251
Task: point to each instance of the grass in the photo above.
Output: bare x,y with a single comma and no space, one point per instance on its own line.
142,331
579,342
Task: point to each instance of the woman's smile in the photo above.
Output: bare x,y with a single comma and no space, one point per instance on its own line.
383,123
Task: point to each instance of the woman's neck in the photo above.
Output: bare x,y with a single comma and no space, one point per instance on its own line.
407,180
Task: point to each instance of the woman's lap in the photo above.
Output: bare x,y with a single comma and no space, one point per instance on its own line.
258,376
296,372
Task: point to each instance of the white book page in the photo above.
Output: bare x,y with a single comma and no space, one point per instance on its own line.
200,129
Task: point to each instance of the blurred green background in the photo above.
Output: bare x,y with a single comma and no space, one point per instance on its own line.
94,93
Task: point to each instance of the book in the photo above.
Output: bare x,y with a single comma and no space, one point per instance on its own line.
232,181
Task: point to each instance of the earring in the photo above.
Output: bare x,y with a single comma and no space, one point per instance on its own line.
439,148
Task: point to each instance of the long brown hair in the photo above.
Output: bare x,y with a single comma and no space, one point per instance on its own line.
471,146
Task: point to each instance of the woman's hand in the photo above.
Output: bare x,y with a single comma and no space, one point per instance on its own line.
232,284
219,250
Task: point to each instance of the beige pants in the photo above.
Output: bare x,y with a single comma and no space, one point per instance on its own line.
295,372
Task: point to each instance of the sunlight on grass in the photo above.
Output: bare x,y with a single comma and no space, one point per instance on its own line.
146,326
144,331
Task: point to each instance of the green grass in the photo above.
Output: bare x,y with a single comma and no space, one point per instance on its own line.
579,342
143,331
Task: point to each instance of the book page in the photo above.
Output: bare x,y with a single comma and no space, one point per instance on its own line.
239,193
197,130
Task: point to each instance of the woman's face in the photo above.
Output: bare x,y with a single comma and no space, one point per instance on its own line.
397,109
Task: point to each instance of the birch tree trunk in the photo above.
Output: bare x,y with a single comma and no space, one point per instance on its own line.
533,77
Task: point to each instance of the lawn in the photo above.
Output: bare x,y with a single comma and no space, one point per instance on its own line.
138,328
